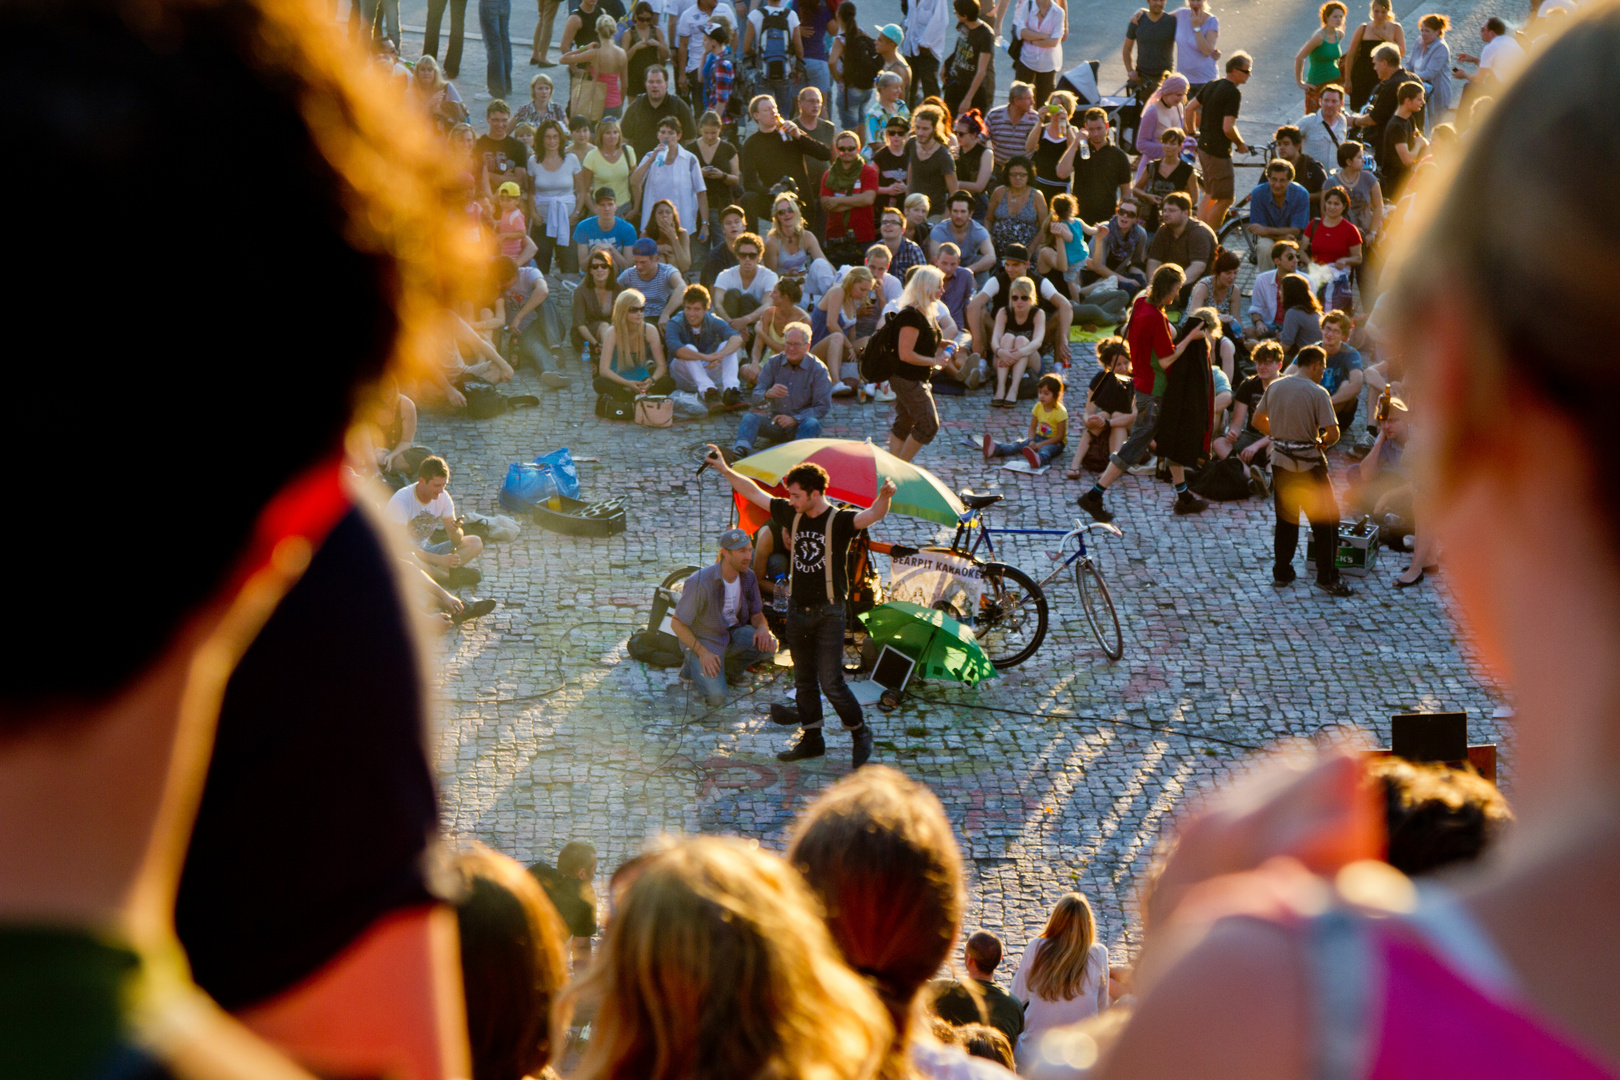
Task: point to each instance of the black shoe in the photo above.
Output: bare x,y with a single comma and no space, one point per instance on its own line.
809,744
1399,584
1188,503
474,610
711,398
1091,502
786,715
1337,588
1282,581
732,399
863,746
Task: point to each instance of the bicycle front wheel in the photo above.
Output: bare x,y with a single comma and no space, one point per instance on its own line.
1098,606
1235,236
1011,621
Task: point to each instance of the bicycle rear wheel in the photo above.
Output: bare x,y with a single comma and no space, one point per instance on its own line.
1011,621
1098,606
1236,237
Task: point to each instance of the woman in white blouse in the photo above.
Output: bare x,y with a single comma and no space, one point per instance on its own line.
1040,27
1063,976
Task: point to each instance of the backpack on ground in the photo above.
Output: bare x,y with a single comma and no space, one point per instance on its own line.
775,48
654,648
861,60
880,359
1222,480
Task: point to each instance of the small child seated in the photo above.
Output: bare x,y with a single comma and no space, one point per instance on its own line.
1048,428
1110,402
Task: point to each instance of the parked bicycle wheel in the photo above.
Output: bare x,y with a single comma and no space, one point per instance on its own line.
1011,621
1236,237
1098,606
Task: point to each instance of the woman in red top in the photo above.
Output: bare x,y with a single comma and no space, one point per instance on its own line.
1332,240
1153,351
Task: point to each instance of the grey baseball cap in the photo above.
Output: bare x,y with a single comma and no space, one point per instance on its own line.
735,540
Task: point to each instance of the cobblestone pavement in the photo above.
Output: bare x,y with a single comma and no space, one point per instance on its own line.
1060,775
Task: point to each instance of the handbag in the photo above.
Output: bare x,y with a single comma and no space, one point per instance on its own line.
654,411
588,98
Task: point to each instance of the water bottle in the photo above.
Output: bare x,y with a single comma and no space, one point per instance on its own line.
779,600
1085,148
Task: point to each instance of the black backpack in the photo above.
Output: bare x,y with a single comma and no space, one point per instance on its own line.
1222,480
659,650
880,359
861,60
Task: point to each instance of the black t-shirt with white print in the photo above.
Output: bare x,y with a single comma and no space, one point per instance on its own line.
809,582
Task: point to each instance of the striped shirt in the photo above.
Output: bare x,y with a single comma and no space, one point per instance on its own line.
1008,135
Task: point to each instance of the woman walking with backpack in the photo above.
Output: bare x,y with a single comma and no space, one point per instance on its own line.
855,64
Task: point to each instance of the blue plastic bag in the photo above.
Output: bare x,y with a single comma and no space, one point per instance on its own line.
530,483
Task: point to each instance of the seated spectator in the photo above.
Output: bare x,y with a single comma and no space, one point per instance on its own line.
740,291
523,289
885,108
1015,340
1119,249
1183,240
674,242
834,333
1062,977
1016,209
797,392
917,207
593,304
989,301
791,250
984,1002
1219,290
964,367
1157,177
659,284
984,1041
426,506
606,231
632,353
1048,428
1309,173
903,253
459,343
1437,816
1265,316
1279,209
774,319
1381,485
1241,437
968,235
720,621
386,449
568,886
848,190
513,967
723,256
1343,377
716,964
879,855
1331,241
1110,403
1301,314
702,349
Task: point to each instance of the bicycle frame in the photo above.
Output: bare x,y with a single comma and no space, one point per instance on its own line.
975,519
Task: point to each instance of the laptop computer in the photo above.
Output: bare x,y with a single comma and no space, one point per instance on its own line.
891,672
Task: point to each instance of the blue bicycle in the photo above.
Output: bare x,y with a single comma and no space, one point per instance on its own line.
1011,619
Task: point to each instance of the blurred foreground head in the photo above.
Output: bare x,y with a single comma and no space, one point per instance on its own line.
264,237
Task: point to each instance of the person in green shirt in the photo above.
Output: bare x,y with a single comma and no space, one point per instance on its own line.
957,1003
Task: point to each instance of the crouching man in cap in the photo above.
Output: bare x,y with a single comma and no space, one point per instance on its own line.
720,620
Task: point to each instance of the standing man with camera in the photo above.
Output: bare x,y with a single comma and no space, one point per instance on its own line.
773,159
819,536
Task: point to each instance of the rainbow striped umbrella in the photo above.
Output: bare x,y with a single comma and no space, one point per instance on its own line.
856,470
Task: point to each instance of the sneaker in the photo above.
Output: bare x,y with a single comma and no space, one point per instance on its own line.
732,399
786,715
1032,457
553,380
1337,588
842,389
1091,502
1359,451
711,398
1142,469
809,744
475,610
973,377
1259,482
1188,503
862,751
1282,581
735,454
989,449
883,393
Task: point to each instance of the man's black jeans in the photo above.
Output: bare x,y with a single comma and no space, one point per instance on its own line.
458,25
1310,492
815,637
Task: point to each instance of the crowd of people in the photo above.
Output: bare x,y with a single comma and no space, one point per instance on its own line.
219,826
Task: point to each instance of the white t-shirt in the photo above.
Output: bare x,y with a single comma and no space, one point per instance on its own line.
731,278
733,600
1502,55
1041,1015
419,519
694,21
938,1062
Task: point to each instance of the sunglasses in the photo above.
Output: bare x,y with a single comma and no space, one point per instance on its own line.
747,254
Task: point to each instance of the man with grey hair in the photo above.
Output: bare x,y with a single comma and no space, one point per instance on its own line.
720,621
1010,124
796,392
1381,106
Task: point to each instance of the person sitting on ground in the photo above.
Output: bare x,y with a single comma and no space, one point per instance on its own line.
989,301
958,282
1062,977
513,966
968,235
1265,316
740,291
984,1041
723,256
1219,290
1157,177
1343,377
878,853
1301,314
903,252
916,208
1241,437
1048,428
607,231
1182,240
426,506
1119,250
1437,816
386,447
797,392
1309,173
458,343
774,319
1110,403
1332,241
1061,249
1279,209
985,1002
834,325
632,353
568,886
523,289
1152,352
715,964
659,285
702,349
720,621
791,249
593,305
664,226
1015,340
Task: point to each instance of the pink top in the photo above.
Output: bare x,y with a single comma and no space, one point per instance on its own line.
614,95
512,223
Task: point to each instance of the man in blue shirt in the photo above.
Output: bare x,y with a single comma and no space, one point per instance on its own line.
702,346
606,230
796,389
1279,209
720,620
971,239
